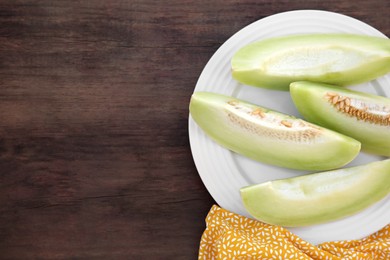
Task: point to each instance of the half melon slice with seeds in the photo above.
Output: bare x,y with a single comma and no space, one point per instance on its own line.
364,117
319,197
268,136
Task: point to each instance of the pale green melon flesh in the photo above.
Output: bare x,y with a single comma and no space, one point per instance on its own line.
268,136
341,59
318,198
367,119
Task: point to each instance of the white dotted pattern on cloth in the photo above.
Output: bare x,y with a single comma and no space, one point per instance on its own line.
231,236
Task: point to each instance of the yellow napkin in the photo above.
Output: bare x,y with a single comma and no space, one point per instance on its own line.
231,236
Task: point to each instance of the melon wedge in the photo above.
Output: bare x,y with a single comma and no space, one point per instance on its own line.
319,197
341,59
364,117
268,136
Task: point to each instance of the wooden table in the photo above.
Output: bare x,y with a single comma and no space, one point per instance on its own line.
95,160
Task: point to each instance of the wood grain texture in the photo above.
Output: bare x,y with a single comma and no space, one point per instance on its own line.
95,161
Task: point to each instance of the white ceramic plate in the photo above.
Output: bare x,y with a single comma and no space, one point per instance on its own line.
224,172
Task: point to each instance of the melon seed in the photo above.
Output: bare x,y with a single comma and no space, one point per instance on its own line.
286,123
258,112
343,104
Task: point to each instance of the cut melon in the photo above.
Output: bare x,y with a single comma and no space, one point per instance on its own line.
268,136
319,197
364,117
341,59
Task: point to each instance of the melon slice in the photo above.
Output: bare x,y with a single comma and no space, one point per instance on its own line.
268,136
319,197
364,117
341,59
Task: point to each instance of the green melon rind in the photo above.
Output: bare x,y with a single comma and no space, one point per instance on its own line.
329,150
254,64
308,98
318,198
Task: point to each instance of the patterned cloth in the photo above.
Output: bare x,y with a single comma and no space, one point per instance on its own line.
231,236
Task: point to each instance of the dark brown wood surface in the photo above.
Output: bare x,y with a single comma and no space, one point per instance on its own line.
95,160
